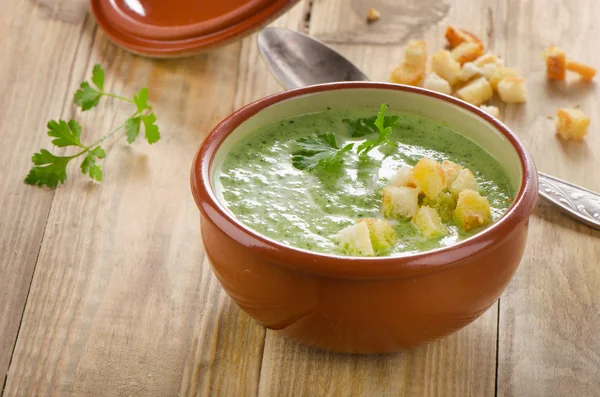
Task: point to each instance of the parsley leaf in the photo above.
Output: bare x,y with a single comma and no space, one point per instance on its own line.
66,134
384,131
318,151
132,128
365,126
49,170
86,97
89,166
98,77
141,100
150,127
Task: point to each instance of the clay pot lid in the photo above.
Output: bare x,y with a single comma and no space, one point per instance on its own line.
177,19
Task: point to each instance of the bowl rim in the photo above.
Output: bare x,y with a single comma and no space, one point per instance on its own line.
338,266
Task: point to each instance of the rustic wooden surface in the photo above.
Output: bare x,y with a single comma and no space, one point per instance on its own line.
105,290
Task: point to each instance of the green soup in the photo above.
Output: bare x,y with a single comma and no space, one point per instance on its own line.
261,187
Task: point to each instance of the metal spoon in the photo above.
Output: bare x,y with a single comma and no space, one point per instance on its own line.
298,60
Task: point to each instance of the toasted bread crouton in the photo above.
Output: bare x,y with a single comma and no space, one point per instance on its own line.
512,90
382,235
400,202
472,210
488,70
586,72
464,180
429,223
445,66
487,59
571,123
401,177
355,240
468,71
373,15
476,92
500,73
415,54
556,63
456,36
491,110
444,204
467,52
451,171
429,177
407,74
436,83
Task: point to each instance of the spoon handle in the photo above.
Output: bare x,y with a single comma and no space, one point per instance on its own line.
578,202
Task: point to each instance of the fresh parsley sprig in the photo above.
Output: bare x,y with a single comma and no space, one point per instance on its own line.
366,125
385,129
51,170
318,151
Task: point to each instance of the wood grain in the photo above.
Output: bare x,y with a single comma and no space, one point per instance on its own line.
550,315
38,61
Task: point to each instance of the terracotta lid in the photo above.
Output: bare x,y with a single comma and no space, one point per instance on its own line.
167,28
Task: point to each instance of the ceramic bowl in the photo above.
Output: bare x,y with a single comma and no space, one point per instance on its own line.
363,305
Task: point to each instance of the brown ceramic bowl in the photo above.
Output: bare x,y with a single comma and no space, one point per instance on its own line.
364,305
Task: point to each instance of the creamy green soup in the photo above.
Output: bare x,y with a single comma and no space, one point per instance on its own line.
262,188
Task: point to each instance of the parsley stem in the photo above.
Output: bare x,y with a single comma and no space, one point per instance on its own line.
118,97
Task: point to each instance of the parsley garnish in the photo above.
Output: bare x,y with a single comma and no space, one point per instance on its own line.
50,170
318,151
384,131
365,126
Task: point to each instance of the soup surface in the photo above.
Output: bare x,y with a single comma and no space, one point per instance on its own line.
263,189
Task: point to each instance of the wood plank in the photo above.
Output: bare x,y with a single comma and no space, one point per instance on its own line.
38,58
461,365
134,309
549,339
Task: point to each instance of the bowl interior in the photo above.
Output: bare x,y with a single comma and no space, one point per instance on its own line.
465,119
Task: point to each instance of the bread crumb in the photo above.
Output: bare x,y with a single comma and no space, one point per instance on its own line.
415,54
500,73
436,83
571,123
468,71
467,52
476,92
556,63
586,72
487,59
491,110
456,36
445,66
407,74
373,15
512,90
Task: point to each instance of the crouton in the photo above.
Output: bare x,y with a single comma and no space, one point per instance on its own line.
407,74
401,177
512,90
415,54
464,180
400,202
456,36
382,235
429,223
468,71
444,204
472,210
373,15
491,110
556,63
436,83
571,123
487,59
451,171
355,240
476,92
429,177
586,72
500,73
488,70
467,52
445,66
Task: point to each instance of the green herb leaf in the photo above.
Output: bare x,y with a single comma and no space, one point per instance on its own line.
150,128
384,131
66,134
141,100
365,126
86,97
49,170
98,77
132,128
318,151
89,166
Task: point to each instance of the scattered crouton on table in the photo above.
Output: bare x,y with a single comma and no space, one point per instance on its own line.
571,123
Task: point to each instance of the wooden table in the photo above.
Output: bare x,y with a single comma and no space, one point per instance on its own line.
105,289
